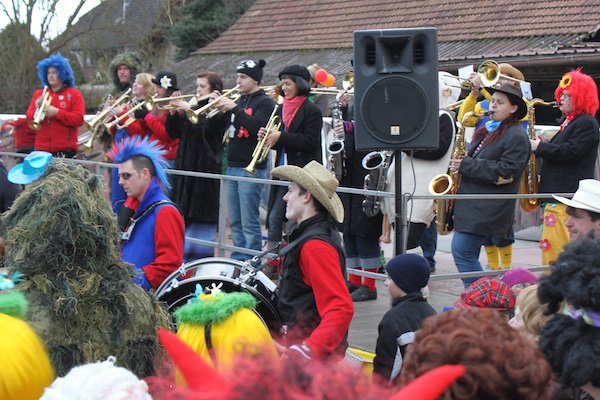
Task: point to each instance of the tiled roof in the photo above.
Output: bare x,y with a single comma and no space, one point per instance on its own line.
271,25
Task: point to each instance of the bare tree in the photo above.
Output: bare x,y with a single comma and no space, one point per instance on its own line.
24,12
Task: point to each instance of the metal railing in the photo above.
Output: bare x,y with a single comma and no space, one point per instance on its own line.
221,245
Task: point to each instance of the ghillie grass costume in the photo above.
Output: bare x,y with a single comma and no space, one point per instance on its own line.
62,235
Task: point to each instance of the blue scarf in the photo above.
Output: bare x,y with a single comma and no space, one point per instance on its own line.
491,126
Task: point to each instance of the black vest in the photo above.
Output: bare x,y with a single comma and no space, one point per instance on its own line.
296,303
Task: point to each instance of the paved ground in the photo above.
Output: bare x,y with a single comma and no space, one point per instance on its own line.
363,331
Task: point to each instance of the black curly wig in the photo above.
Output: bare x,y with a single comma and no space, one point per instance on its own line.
572,346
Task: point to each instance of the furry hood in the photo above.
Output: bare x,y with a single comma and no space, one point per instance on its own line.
131,60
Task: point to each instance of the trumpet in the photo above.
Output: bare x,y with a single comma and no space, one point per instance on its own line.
103,118
261,151
209,109
125,117
151,101
40,111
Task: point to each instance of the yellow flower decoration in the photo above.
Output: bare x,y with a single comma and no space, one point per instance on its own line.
565,81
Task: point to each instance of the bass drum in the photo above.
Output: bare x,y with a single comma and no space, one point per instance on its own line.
232,275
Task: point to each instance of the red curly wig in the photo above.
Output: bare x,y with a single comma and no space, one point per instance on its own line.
582,89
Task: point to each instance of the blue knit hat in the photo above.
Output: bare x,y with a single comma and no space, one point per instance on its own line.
410,272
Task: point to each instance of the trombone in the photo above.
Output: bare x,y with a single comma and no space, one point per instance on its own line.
490,74
208,109
261,151
40,111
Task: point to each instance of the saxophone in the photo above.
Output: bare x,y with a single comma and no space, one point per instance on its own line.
336,150
377,163
529,183
448,183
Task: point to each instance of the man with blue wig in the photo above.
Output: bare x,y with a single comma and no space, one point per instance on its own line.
58,125
153,229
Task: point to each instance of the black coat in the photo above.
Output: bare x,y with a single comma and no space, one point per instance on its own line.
569,156
302,139
398,325
496,169
200,150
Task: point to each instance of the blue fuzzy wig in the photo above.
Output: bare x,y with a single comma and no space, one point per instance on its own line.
136,146
65,73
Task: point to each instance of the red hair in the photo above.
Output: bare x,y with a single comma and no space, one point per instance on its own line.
582,89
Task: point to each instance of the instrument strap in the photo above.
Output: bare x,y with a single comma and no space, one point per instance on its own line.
129,231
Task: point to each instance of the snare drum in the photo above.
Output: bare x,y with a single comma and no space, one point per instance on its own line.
232,275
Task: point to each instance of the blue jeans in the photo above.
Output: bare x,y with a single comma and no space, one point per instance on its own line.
243,202
465,250
199,230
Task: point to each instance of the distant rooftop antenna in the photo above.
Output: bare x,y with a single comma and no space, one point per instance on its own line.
125,6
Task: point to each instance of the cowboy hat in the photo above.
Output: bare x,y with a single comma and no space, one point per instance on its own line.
515,96
318,181
587,196
32,167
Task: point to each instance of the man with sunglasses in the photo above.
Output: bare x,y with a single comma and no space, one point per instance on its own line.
153,228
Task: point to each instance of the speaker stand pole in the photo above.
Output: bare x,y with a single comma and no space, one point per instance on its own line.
399,218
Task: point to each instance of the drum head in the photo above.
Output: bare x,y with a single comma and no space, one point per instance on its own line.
232,277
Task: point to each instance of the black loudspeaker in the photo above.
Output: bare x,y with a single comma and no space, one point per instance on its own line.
396,93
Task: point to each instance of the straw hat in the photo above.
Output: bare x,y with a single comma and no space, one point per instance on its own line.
318,181
587,196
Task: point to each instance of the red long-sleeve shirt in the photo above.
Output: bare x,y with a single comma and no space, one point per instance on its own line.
320,266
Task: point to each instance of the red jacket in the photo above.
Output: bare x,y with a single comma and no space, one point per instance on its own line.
59,133
156,123
23,135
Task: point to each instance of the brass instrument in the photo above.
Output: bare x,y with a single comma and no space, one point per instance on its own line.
40,111
125,117
209,109
489,71
454,106
261,151
103,118
151,101
529,183
448,183
336,150
377,163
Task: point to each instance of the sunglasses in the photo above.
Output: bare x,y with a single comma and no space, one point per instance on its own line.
126,175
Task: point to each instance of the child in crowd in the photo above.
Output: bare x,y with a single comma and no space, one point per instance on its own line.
407,275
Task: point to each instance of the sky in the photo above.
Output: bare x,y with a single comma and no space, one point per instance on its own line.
66,8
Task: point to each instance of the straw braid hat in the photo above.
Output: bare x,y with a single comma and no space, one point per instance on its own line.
317,180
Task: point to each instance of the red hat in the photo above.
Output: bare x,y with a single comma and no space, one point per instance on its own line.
487,293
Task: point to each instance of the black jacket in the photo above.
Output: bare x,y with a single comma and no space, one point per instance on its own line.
396,332
302,139
569,156
251,113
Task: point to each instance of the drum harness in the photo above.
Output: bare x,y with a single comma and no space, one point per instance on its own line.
126,235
